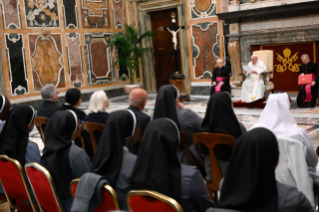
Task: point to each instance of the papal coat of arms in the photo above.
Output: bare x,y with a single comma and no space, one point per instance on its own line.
287,62
202,8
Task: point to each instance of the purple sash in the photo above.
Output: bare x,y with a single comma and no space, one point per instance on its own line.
308,90
218,87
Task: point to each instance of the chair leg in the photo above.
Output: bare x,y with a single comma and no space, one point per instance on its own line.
210,193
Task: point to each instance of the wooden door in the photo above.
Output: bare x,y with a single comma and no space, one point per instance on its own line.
164,47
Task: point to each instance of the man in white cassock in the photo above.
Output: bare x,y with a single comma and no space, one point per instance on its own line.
253,87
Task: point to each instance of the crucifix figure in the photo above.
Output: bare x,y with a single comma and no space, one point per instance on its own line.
174,31
177,79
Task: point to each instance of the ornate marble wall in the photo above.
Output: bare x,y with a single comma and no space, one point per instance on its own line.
63,42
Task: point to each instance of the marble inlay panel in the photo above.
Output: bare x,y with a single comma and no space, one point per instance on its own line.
41,13
75,59
118,14
95,14
46,60
202,8
16,64
131,12
99,58
11,14
205,49
70,14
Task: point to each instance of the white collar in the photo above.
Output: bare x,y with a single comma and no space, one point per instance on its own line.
125,148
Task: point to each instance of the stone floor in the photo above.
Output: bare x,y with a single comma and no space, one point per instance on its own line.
306,118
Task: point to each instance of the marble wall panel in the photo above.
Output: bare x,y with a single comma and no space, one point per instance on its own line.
75,59
70,14
41,13
131,12
95,14
202,8
16,64
11,14
46,60
205,49
99,58
118,14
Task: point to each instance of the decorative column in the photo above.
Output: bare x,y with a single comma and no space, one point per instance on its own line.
234,53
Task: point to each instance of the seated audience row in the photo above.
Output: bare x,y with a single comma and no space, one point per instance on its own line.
249,182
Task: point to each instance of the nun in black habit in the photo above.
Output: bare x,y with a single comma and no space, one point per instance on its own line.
158,168
112,159
61,157
14,137
250,184
220,118
168,106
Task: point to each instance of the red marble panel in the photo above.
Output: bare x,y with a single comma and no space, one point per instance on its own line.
11,14
75,62
204,40
118,12
99,54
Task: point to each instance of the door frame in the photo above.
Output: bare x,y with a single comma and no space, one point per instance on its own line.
144,9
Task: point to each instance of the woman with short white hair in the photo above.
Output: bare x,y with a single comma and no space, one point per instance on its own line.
97,108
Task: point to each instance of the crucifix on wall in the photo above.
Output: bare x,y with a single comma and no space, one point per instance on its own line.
177,78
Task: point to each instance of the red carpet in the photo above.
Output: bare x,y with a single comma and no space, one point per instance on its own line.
258,104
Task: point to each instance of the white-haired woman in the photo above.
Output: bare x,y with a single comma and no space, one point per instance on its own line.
97,108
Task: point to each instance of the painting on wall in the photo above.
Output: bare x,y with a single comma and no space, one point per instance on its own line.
10,14
41,13
95,14
75,59
70,14
205,48
99,58
118,14
16,64
202,8
46,60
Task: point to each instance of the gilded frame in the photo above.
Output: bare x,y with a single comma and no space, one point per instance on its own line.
51,182
156,195
107,188
24,180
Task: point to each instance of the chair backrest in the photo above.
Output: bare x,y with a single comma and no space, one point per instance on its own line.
40,123
110,198
190,155
211,140
15,184
292,168
43,187
92,127
78,135
151,201
267,56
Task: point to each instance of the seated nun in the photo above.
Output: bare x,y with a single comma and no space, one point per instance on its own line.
159,169
14,137
73,101
220,118
168,106
250,184
61,157
277,117
112,160
4,110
